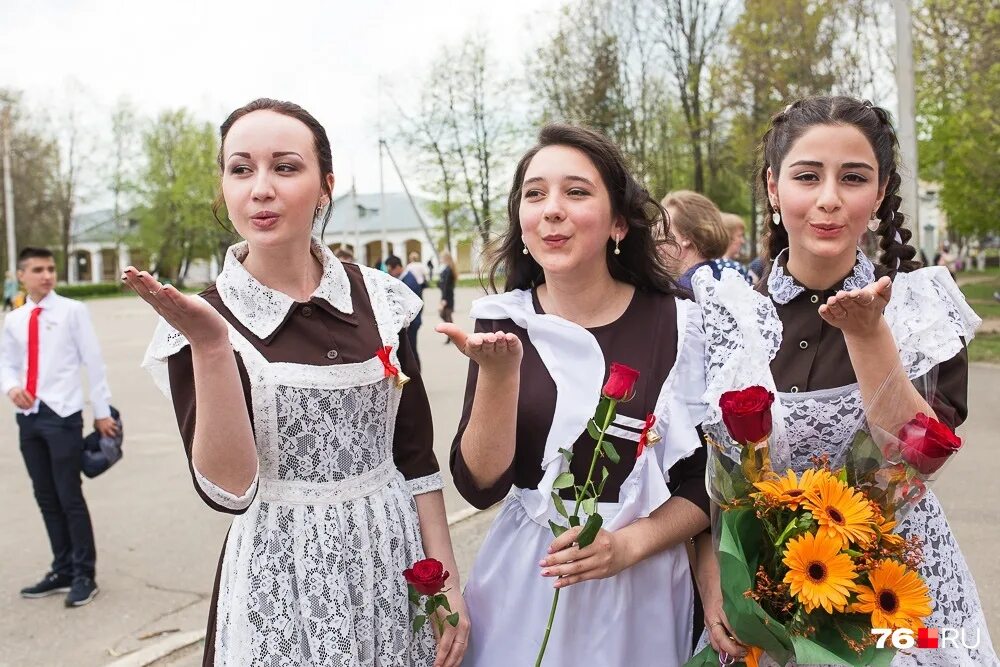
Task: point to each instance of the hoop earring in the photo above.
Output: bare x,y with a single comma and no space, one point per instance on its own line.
617,249
874,223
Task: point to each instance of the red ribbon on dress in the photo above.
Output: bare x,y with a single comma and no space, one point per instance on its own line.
644,437
383,354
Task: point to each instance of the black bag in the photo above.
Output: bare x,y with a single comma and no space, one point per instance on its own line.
100,453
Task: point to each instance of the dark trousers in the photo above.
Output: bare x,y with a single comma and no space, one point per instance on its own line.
51,446
411,333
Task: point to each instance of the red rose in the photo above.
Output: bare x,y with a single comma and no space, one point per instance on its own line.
927,443
620,382
747,413
427,576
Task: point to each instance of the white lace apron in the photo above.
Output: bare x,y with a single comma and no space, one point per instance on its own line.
312,573
605,621
928,317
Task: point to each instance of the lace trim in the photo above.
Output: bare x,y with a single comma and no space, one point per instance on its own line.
222,497
783,288
426,484
302,492
262,309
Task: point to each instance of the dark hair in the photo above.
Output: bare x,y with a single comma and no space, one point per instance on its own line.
320,142
392,262
873,122
639,263
30,252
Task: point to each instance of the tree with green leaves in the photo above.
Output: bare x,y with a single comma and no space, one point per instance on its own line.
958,94
34,165
175,192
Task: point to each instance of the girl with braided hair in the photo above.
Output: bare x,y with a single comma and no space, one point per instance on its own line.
828,175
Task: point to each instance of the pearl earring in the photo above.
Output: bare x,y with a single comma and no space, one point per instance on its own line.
524,250
618,250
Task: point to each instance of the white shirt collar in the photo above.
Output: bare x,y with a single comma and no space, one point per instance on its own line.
262,309
48,301
783,287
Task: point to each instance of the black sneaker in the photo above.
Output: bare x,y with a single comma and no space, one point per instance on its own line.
83,591
51,583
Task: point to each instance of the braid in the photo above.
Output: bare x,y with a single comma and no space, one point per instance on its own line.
891,219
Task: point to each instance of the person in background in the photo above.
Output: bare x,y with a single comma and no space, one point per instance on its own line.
415,267
737,235
446,282
10,289
44,344
344,255
696,224
395,268
430,270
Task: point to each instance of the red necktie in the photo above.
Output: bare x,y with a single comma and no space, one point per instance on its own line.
32,384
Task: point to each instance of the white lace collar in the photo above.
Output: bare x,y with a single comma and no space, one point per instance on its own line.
783,287
262,309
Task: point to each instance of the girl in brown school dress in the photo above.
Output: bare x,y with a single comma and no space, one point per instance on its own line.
584,287
829,172
283,375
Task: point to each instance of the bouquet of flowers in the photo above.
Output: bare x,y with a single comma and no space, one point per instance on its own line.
810,563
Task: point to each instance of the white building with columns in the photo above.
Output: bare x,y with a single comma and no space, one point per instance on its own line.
97,251
359,224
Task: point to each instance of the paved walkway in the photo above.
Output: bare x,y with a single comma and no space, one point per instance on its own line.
158,545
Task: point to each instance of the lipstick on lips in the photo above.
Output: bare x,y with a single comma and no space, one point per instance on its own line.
264,219
826,230
555,240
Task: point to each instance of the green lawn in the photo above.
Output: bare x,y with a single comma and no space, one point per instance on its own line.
980,292
985,347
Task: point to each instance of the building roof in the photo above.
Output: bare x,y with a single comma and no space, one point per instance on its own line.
361,212
97,227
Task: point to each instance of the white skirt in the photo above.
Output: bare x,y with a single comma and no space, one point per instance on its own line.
641,617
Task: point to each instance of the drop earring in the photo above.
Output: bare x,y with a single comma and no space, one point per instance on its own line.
776,217
618,250
874,222
524,250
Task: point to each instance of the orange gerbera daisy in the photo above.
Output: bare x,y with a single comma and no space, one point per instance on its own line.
841,512
897,598
889,538
790,490
819,575
752,658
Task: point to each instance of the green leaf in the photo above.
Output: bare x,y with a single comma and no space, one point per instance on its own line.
563,481
567,454
443,602
413,594
590,529
605,407
557,530
574,521
610,451
593,430
559,505
430,605
453,619
418,623
604,478
589,505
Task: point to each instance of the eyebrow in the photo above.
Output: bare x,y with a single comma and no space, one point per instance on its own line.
846,165
579,179
274,154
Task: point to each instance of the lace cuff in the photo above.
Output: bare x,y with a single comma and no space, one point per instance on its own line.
929,318
425,484
222,497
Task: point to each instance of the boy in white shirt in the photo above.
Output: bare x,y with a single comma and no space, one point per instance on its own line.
43,344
